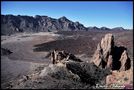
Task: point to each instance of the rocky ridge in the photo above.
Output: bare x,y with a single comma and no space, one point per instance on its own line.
16,24
11,24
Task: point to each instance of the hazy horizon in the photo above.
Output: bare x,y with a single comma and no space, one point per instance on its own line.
100,14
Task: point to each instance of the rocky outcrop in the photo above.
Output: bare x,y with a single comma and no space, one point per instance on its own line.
108,55
87,72
125,61
104,51
62,56
115,58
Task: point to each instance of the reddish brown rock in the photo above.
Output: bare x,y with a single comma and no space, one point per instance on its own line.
104,49
108,55
125,61
122,79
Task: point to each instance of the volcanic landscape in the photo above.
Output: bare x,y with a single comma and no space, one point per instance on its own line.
26,60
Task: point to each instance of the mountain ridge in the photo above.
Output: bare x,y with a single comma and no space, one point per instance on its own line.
22,23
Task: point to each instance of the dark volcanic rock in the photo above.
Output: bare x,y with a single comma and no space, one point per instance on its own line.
13,24
5,51
88,72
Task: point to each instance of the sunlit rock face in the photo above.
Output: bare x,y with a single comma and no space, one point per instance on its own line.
108,55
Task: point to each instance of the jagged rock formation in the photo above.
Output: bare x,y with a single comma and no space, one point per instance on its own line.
103,53
125,61
59,56
88,73
14,24
108,55
11,24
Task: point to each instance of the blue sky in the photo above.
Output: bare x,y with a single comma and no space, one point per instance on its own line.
110,14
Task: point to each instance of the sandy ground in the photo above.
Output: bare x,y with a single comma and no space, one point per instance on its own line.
23,60
11,69
22,46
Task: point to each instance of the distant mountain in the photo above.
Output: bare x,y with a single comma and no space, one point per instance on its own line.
105,28
11,24
93,28
96,28
118,28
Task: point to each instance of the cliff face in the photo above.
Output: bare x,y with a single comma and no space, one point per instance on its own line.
12,24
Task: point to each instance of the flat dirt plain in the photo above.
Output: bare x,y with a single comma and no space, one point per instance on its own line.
30,50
